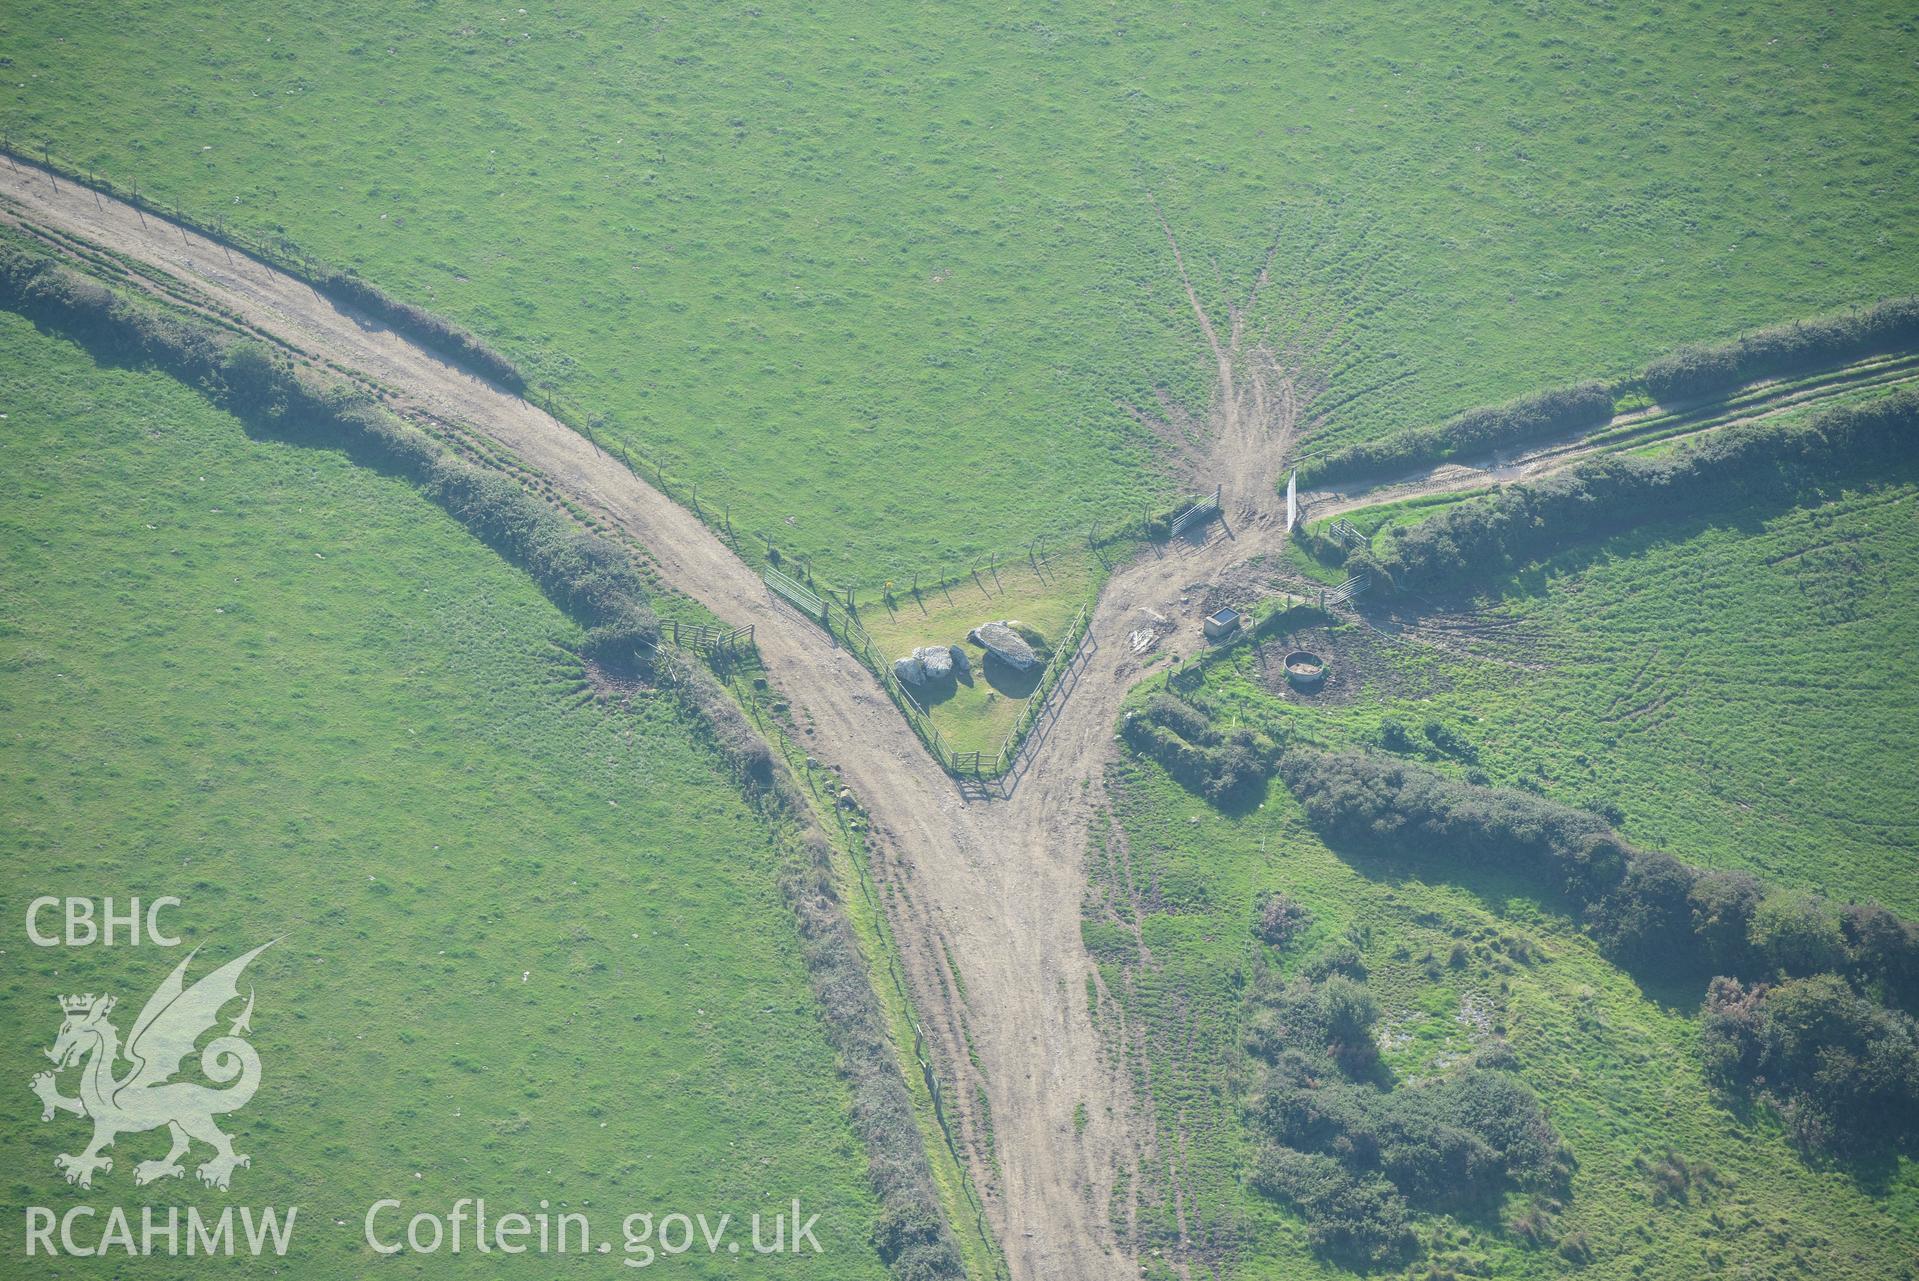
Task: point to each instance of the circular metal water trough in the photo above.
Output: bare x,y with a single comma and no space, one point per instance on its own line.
1305,670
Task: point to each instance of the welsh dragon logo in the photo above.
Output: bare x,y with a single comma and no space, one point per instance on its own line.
147,1097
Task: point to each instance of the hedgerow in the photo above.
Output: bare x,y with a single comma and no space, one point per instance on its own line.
1558,411
1646,909
585,575
1520,524
1784,349
1227,769
911,1236
1689,372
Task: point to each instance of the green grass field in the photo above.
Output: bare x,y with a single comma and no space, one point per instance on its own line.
532,947
881,281
1737,688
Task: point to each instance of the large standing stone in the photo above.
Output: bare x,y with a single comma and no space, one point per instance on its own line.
928,663
1006,645
937,660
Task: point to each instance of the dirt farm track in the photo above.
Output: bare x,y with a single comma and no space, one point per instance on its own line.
996,884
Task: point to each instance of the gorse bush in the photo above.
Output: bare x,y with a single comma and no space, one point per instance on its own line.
1785,349
1559,411
1176,714
1798,933
1450,742
584,574
1281,919
1356,1157
1843,1070
1521,524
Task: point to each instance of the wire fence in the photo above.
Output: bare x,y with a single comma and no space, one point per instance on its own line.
844,626
841,620
284,254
